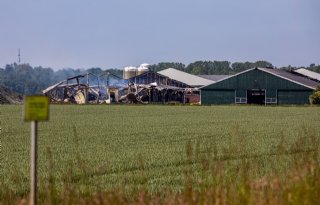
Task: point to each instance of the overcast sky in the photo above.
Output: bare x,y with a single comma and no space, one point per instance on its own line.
117,33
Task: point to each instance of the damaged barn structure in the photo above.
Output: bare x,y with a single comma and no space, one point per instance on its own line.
138,85
169,85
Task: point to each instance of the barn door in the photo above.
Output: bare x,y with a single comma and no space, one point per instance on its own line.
256,96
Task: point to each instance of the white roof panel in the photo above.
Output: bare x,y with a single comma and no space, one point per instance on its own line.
308,73
184,77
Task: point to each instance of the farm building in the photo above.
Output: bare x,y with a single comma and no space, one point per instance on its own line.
259,86
172,77
154,77
171,85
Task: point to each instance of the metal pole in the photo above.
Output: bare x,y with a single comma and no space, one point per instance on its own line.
88,79
34,156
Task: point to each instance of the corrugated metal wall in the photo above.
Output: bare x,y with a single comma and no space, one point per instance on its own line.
217,96
293,97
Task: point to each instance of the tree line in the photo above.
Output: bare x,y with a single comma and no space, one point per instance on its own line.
222,67
25,79
212,67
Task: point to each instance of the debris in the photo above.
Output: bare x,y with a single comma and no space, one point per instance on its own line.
9,97
79,93
121,91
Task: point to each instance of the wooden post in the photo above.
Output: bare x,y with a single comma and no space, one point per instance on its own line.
34,156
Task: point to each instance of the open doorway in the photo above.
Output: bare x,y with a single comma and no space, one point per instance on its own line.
256,96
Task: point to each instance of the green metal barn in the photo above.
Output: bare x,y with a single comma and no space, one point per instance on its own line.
260,86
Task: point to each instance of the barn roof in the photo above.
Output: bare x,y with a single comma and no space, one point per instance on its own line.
292,77
186,78
214,77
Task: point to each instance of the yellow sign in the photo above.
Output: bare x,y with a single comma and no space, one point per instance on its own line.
36,108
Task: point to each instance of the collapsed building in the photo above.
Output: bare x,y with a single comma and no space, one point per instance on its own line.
81,89
71,92
138,85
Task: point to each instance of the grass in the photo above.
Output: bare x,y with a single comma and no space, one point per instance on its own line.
166,150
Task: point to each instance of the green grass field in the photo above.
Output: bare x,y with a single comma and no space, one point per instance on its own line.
98,147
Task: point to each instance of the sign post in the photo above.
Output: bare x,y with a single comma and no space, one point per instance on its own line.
36,108
34,158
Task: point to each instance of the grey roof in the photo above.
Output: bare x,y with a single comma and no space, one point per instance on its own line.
214,77
184,77
308,73
292,77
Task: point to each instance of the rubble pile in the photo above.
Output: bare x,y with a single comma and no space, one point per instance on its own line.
9,97
75,91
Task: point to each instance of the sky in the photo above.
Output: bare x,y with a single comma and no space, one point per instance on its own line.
117,33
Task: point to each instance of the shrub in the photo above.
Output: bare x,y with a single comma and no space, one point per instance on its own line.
315,97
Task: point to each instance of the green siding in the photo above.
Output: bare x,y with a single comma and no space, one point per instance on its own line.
271,93
293,97
241,93
217,97
255,79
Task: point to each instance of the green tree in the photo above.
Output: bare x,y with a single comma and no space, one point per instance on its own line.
263,64
315,68
209,67
239,66
165,65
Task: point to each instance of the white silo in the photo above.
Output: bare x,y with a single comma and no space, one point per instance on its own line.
143,68
129,72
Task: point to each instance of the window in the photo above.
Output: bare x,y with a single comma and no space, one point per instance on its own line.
271,100
240,100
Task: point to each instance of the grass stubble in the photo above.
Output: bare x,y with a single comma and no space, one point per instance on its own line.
234,174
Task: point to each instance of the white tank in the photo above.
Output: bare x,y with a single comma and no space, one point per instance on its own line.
129,72
144,65
143,68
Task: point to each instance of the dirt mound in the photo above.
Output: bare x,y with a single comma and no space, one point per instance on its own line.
9,97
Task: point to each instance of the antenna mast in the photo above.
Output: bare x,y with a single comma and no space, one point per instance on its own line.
19,56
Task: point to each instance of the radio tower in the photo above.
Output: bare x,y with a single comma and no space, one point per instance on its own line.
19,56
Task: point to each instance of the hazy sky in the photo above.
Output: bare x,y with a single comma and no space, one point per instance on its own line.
117,33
